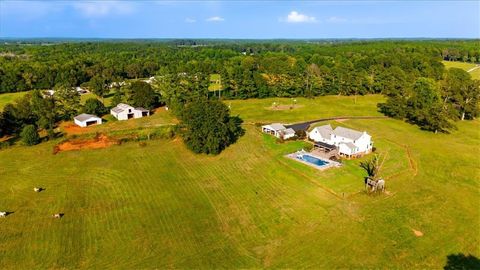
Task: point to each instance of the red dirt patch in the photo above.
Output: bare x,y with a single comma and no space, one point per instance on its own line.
5,138
101,141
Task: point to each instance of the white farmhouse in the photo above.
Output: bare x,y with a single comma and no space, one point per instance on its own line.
279,131
349,142
85,120
124,112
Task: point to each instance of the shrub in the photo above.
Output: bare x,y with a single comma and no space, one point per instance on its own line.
301,134
30,135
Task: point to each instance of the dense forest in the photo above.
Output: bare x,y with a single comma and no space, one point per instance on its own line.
409,73
248,69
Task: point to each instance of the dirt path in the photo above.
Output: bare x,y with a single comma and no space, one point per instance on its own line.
472,69
411,161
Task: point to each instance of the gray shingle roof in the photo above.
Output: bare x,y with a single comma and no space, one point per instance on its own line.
347,133
83,117
289,131
350,145
325,131
276,126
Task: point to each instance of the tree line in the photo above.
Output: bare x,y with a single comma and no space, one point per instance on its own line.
248,69
409,73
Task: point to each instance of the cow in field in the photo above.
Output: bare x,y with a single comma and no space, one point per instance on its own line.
57,215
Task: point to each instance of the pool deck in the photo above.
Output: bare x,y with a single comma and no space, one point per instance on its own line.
330,164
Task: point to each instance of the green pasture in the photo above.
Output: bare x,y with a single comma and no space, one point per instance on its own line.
161,206
6,98
465,66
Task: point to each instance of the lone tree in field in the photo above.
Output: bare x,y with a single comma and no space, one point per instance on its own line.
141,94
30,135
371,166
208,127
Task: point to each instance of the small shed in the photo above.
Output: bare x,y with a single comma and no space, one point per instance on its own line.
288,133
85,120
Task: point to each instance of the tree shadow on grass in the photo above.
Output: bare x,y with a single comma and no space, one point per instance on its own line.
462,261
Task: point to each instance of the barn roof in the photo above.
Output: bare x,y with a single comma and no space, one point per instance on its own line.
141,109
84,117
121,107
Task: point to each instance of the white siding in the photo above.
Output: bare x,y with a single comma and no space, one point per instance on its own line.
84,123
344,149
363,143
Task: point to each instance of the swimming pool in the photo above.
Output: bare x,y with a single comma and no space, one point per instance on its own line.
313,160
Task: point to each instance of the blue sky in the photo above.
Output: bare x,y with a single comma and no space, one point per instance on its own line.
240,19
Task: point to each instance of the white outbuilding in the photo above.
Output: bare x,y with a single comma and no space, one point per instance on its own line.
279,131
85,120
124,112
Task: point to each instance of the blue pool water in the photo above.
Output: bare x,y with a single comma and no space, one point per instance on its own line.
313,160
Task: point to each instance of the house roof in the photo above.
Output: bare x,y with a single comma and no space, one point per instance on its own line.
325,131
289,131
348,133
350,145
84,117
275,126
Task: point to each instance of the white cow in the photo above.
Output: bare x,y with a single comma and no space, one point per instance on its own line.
3,214
58,215
36,189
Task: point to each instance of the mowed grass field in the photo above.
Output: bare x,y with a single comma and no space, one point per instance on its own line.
465,66
162,206
6,98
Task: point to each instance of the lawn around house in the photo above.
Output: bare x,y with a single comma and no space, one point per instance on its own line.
162,206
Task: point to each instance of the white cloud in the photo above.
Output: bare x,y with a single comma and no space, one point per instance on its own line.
29,10
335,19
190,20
215,19
103,8
295,17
